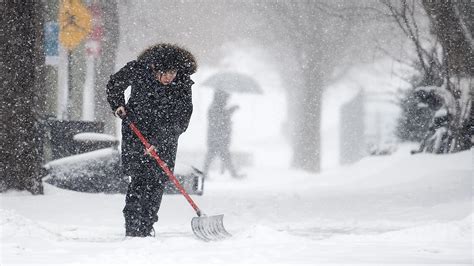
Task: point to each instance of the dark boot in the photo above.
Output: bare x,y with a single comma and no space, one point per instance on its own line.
142,203
148,230
139,219
132,225
139,229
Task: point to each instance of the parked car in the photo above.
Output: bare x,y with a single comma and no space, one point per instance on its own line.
99,171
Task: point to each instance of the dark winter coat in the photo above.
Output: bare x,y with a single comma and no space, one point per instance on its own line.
160,112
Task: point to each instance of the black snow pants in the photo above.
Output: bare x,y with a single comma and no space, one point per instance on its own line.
142,203
148,180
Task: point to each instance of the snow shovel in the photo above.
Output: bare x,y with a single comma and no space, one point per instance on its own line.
207,228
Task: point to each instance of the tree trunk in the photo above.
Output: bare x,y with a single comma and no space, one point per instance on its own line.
23,62
452,33
452,23
307,140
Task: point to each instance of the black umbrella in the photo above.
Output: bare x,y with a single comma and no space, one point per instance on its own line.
233,82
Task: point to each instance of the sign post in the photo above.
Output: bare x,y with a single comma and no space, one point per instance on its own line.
75,22
93,49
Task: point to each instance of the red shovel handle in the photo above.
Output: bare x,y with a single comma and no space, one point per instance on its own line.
165,168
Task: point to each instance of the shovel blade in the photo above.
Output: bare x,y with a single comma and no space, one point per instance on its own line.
209,228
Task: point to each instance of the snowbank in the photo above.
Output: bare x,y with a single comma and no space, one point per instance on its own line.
384,210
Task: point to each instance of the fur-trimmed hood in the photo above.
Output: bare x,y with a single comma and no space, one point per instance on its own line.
165,56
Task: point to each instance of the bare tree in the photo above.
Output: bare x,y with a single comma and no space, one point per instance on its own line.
407,17
452,70
451,22
22,95
309,30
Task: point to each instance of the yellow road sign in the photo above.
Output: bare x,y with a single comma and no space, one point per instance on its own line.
75,23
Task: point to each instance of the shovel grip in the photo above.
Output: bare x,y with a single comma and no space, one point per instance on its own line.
165,168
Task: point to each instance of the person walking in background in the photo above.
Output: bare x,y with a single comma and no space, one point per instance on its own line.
160,105
219,133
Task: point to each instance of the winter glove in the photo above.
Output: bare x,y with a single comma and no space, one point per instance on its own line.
120,112
148,151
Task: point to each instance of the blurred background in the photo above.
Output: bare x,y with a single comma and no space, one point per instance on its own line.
336,80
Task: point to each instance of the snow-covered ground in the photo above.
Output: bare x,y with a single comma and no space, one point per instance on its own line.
397,209
389,209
